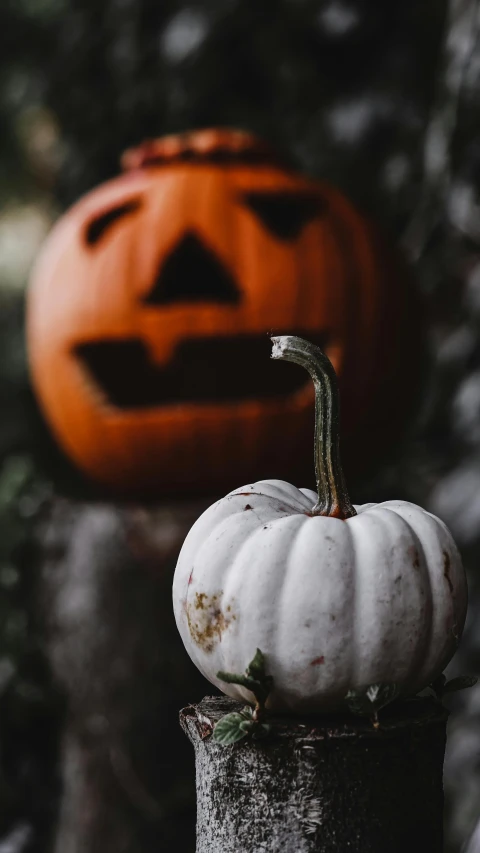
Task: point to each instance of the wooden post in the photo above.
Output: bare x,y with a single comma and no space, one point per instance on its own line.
106,574
321,785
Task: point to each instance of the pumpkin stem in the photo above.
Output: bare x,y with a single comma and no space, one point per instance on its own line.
333,498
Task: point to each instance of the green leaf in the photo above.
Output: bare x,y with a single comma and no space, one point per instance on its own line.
230,729
438,685
251,684
230,677
256,667
247,712
367,700
254,679
460,683
256,670
441,686
380,695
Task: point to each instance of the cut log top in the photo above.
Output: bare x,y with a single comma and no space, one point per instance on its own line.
325,784
199,720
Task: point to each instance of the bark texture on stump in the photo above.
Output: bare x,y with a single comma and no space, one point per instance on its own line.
127,769
321,785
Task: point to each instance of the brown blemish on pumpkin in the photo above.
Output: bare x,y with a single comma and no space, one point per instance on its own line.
190,577
247,506
206,620
446,569
317,661
414,556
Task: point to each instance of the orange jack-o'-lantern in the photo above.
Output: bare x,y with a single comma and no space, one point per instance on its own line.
147,285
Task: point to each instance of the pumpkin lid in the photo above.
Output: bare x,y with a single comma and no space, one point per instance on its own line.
213,145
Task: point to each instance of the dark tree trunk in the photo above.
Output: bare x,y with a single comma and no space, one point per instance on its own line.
321,785
127,769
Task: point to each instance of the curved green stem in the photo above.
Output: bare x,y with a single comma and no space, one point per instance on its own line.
333,499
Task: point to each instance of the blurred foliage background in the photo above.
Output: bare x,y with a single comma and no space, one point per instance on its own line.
382,99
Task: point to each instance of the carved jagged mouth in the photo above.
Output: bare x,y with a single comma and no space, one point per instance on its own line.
203,370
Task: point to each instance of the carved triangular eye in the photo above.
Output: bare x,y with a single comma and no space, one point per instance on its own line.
192,273
97,227
284,214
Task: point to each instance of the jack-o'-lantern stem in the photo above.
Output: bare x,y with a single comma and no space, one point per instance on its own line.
333,498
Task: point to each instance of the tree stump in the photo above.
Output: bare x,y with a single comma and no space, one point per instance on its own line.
127,770
321,784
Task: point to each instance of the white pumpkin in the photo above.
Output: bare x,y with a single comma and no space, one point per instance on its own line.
336,597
